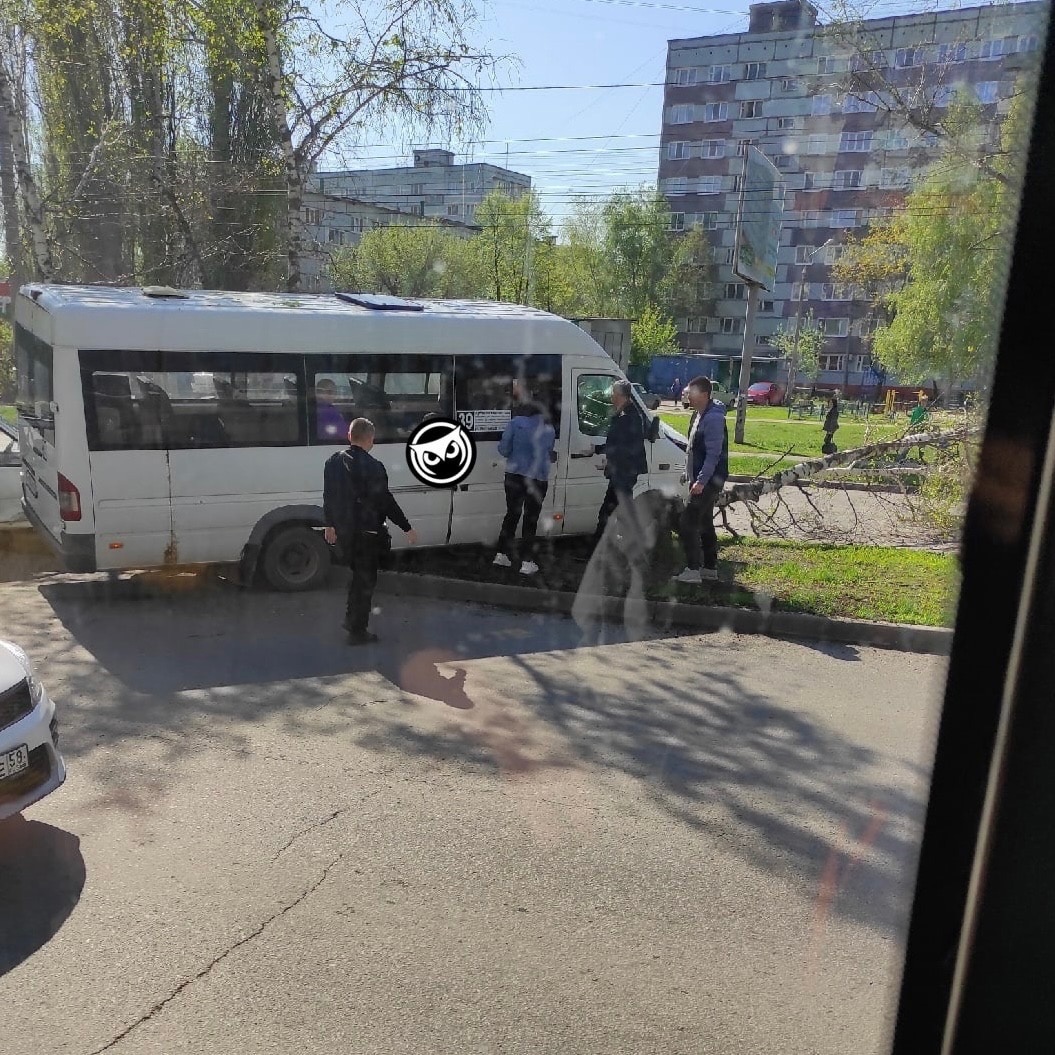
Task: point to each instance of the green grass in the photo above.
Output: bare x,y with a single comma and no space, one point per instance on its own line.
8,413
859,582
769,429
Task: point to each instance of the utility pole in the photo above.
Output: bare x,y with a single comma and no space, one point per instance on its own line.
793,365
745,361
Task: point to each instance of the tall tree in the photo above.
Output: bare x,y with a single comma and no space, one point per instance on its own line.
510,232
409,61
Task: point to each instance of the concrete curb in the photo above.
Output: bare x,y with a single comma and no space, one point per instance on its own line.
902,637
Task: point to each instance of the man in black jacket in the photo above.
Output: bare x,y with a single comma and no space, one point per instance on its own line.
624,450
356,503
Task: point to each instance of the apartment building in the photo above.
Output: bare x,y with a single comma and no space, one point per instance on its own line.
333,223
828,105
434,186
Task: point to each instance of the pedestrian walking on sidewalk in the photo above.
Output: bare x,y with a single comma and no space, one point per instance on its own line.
624,451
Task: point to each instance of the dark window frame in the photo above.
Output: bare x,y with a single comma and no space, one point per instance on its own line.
548,364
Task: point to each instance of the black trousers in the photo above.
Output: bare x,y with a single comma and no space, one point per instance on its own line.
620,492
524,497
363,549
697,533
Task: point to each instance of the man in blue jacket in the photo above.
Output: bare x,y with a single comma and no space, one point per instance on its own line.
624,451
527,446
706,473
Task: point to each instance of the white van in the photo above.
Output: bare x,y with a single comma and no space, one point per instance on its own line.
164,428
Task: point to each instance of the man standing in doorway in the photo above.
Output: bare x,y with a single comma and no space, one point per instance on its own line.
707,471
356,503
624,451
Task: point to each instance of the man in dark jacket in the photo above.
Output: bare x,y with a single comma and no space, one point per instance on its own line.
706,473
624,450
356,503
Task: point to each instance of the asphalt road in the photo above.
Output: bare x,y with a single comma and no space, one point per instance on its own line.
478,836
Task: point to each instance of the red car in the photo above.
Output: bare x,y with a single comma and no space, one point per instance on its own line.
766,393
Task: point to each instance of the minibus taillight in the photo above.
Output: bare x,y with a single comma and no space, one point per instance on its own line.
69,500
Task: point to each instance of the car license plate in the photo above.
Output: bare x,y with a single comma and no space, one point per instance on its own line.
13,762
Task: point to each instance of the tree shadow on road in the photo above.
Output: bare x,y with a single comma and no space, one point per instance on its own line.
41,878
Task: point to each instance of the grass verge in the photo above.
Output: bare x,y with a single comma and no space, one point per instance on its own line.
857,582
8,413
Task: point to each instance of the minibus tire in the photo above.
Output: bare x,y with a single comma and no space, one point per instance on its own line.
295,558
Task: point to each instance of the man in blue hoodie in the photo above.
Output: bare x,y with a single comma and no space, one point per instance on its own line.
527,446
706,473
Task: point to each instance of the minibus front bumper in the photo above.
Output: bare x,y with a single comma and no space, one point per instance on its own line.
77,552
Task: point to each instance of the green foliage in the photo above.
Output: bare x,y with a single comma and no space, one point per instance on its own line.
7,363
653,333
800,349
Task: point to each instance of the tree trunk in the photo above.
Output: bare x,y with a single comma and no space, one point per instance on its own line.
292,166
9,202
43,261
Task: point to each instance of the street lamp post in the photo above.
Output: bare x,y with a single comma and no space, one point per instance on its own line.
793,365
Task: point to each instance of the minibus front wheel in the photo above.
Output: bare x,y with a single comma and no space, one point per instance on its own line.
295,558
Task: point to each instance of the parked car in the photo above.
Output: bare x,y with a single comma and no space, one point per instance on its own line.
765,393
650,399
718,392
30,764
10,475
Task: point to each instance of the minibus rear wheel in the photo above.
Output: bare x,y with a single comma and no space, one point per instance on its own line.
295,558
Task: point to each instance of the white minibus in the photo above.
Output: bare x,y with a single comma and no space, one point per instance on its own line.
163,427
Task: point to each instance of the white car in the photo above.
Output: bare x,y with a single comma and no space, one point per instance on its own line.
30,764
10,475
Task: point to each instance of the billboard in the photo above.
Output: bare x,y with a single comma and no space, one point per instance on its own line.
758,221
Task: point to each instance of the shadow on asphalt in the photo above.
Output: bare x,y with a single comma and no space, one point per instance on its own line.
709,743
41,878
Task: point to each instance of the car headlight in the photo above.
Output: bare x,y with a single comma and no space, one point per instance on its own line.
36,689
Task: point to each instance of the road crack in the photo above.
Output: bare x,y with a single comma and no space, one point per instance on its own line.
323,821
217,960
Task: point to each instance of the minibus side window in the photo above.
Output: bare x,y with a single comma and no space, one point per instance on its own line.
35,362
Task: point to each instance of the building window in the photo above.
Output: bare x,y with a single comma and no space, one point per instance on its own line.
454,210
784,161
1028,43
709,185
761,340
754,71
812,218
677,151
715,112
853,104
834,327
906,57
845,218
822,105
789,84
831,363
709,221
826,64
800,291
835,291
847,179
684,77
312,217
992,49
943,96
896,141
728,325
695,324
720,74
817,145
899,177
949,53
987,91
417,188
833,252
677,221
735,291
712,148
677,186
744,145
804,254
766,307
334,236
855,142
357,223
681,114
811,180
785,122
752,108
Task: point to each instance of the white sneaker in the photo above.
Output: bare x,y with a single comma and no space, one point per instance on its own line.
690,576
709,574
529,567
502,561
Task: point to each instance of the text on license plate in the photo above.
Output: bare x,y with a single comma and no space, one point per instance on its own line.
12,762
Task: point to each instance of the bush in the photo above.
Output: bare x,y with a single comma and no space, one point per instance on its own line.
7,363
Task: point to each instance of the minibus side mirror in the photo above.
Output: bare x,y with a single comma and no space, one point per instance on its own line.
653,430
